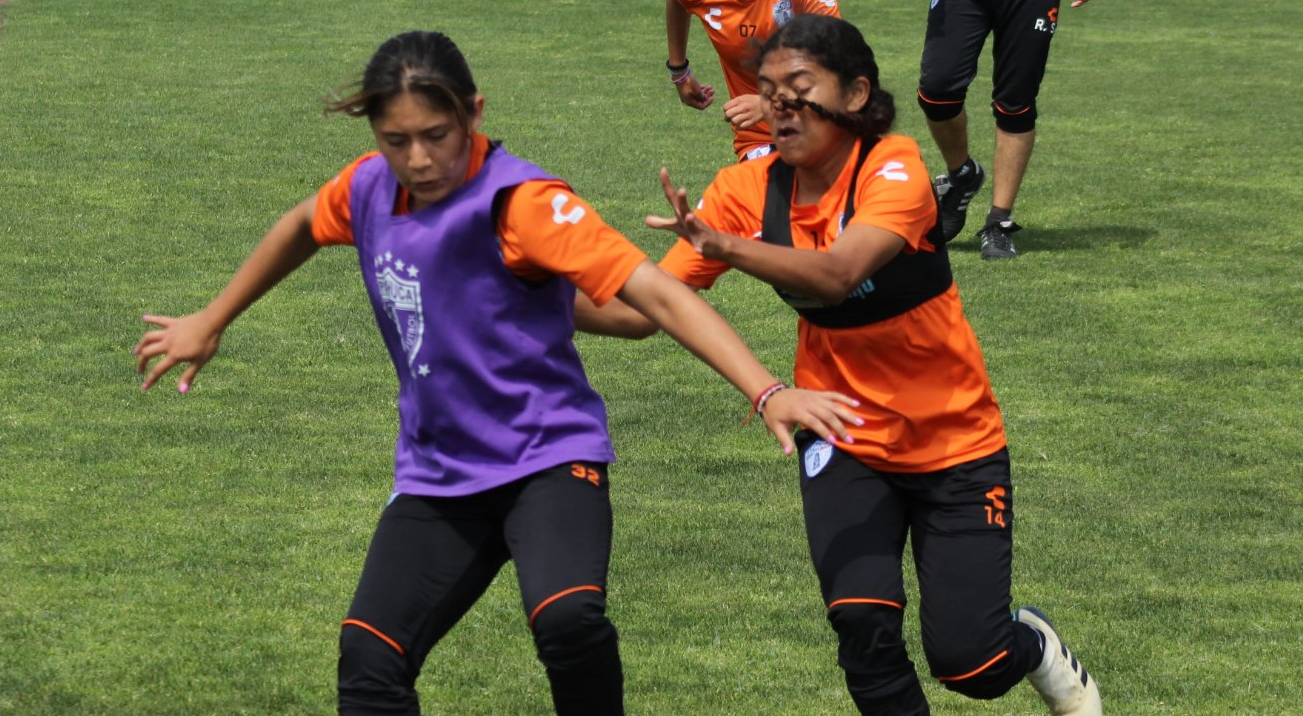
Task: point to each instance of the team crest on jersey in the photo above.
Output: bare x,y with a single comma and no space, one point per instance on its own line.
817,457
782,12
400,294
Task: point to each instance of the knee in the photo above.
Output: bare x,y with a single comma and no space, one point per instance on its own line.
571,627
870,636
939,108
973,670
1014,118
375,675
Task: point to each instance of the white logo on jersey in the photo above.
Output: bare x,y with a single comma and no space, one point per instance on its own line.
401,299
891,172
709,18
833,3
571,217
817,457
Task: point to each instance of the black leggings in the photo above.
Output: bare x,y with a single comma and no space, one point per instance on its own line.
960,521
432,557
956,31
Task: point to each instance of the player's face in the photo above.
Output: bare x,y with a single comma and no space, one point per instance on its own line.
426,147
804,139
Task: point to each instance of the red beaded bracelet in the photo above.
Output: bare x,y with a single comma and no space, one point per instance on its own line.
758,405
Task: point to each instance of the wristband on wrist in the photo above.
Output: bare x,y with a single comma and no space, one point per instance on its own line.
680,79
677,69
758,405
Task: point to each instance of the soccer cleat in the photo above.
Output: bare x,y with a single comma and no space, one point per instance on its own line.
952,199
1060,679
997,242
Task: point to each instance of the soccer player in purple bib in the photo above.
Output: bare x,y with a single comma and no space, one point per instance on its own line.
471,258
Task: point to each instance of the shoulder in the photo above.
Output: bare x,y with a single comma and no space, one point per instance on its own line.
820,7
748,175
896,158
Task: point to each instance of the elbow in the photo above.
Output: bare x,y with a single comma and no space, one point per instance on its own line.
641,331
835,292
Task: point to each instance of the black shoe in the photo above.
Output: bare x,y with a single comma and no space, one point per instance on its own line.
952,199
997,242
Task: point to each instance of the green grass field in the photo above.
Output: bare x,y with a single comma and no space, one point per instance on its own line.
167,554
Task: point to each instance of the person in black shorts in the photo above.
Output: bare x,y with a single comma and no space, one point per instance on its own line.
956,31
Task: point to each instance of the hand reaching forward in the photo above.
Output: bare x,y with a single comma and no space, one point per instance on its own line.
825,413
708,242
190,339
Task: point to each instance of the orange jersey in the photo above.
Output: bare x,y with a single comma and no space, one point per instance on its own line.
924,393
736,28
544,229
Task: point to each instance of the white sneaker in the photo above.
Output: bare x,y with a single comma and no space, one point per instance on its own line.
1061,680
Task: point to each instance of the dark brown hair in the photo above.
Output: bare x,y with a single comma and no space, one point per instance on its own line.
423,63
837,46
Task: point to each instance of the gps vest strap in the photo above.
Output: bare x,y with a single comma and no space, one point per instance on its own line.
906,281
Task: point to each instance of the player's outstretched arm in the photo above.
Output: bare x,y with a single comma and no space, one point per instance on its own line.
825,276
688,319
616,318
193,339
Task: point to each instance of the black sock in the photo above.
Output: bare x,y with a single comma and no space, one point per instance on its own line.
965,173
997,215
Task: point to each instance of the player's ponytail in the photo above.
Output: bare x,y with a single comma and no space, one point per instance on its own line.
838,46
425,63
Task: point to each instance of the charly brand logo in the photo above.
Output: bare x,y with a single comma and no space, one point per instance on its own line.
570,217
783,12
400,294
709,18
817,456
891,171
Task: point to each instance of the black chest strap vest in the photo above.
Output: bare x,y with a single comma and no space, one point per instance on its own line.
906,281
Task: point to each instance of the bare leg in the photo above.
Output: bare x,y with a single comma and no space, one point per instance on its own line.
951,137
1012,152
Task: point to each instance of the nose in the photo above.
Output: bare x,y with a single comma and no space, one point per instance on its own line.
779,103
418,157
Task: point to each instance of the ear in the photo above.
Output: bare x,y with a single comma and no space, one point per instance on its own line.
477,113
857,94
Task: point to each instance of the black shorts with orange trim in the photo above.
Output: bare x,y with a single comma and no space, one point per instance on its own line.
956,32
960,525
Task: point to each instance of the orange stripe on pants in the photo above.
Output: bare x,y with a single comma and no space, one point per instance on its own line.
375,631
586,588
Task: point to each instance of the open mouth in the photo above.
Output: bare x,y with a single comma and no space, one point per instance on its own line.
785,133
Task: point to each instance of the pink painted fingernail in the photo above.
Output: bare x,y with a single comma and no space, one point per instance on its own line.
183,388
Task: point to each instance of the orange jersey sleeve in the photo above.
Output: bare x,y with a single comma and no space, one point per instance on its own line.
894,192
332,222
732,204
546,229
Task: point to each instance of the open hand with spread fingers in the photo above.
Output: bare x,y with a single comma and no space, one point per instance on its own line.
707,241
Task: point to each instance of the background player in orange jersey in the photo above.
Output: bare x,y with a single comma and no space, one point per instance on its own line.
841,222
472,258
735,28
